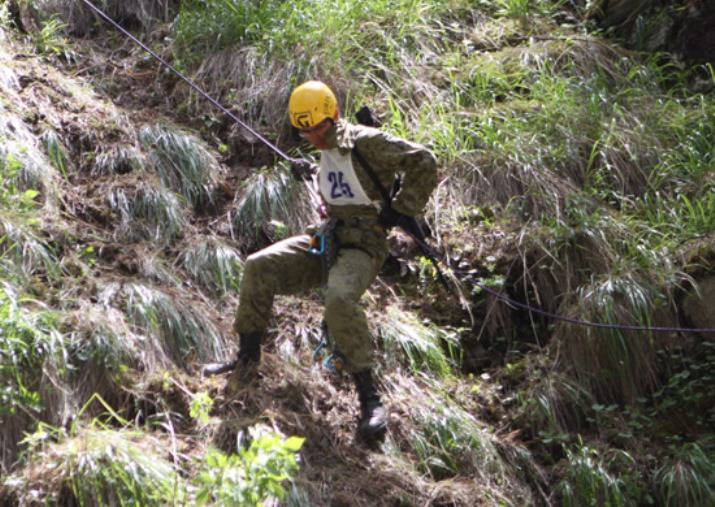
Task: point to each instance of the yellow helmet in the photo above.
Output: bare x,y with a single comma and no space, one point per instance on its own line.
311,103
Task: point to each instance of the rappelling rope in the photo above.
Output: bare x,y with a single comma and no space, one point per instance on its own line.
282,154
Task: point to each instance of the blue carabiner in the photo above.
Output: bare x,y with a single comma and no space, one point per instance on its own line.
321,250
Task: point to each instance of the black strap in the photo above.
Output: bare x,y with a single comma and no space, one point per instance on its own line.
375,180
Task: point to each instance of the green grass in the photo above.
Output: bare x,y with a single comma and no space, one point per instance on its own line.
30,344
182,162
174,328
419,347
269,196
97,465
687,478
215,265
147,212
589,482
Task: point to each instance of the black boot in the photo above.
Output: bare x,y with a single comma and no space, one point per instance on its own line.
249,354
373,418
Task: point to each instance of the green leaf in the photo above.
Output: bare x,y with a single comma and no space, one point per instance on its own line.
294,444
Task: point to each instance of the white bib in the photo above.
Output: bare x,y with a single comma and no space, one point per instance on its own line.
337,180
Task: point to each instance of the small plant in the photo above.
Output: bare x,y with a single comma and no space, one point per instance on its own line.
49,40
200,407
588,482
252,475
56,152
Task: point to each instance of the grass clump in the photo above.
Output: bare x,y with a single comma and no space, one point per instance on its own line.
182,162
176,329
422,347
271,202
147,212
97,465
213,264
687,478
117,159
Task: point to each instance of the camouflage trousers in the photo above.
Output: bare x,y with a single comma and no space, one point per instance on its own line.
287,267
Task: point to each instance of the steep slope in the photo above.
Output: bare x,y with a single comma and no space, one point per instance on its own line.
576,175
121,282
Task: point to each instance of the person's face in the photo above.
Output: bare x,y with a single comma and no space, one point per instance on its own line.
317,135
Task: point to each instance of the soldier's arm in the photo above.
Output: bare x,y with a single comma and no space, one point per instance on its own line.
389,155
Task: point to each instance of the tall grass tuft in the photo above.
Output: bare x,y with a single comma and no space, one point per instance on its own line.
174,328
182,162
147,211
213,264
96,465
687,478
422,347
117,159
81,20
270,196
555,404
446,440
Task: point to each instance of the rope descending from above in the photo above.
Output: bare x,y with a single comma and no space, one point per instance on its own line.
426,249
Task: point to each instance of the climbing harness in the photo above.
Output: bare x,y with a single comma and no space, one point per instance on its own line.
413,230
323,245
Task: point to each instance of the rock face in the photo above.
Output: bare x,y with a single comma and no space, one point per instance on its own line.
695,38
683,27
698,308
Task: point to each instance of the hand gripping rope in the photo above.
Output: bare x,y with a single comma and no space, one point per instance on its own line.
283,155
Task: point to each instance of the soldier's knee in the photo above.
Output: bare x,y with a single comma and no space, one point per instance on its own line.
338,303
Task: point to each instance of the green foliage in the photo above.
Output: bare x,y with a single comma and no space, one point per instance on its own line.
103,466
29,342
56,152
688,478
422,347
588,481
182,162
12,198
281,28
49,40
252,475
200,407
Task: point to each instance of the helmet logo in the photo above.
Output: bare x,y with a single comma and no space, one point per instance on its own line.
303,120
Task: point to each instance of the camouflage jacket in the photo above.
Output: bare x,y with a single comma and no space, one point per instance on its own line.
388,156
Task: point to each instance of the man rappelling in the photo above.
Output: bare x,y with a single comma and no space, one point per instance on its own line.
357,163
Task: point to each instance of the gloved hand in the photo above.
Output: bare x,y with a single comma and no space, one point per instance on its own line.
301,169
391,218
